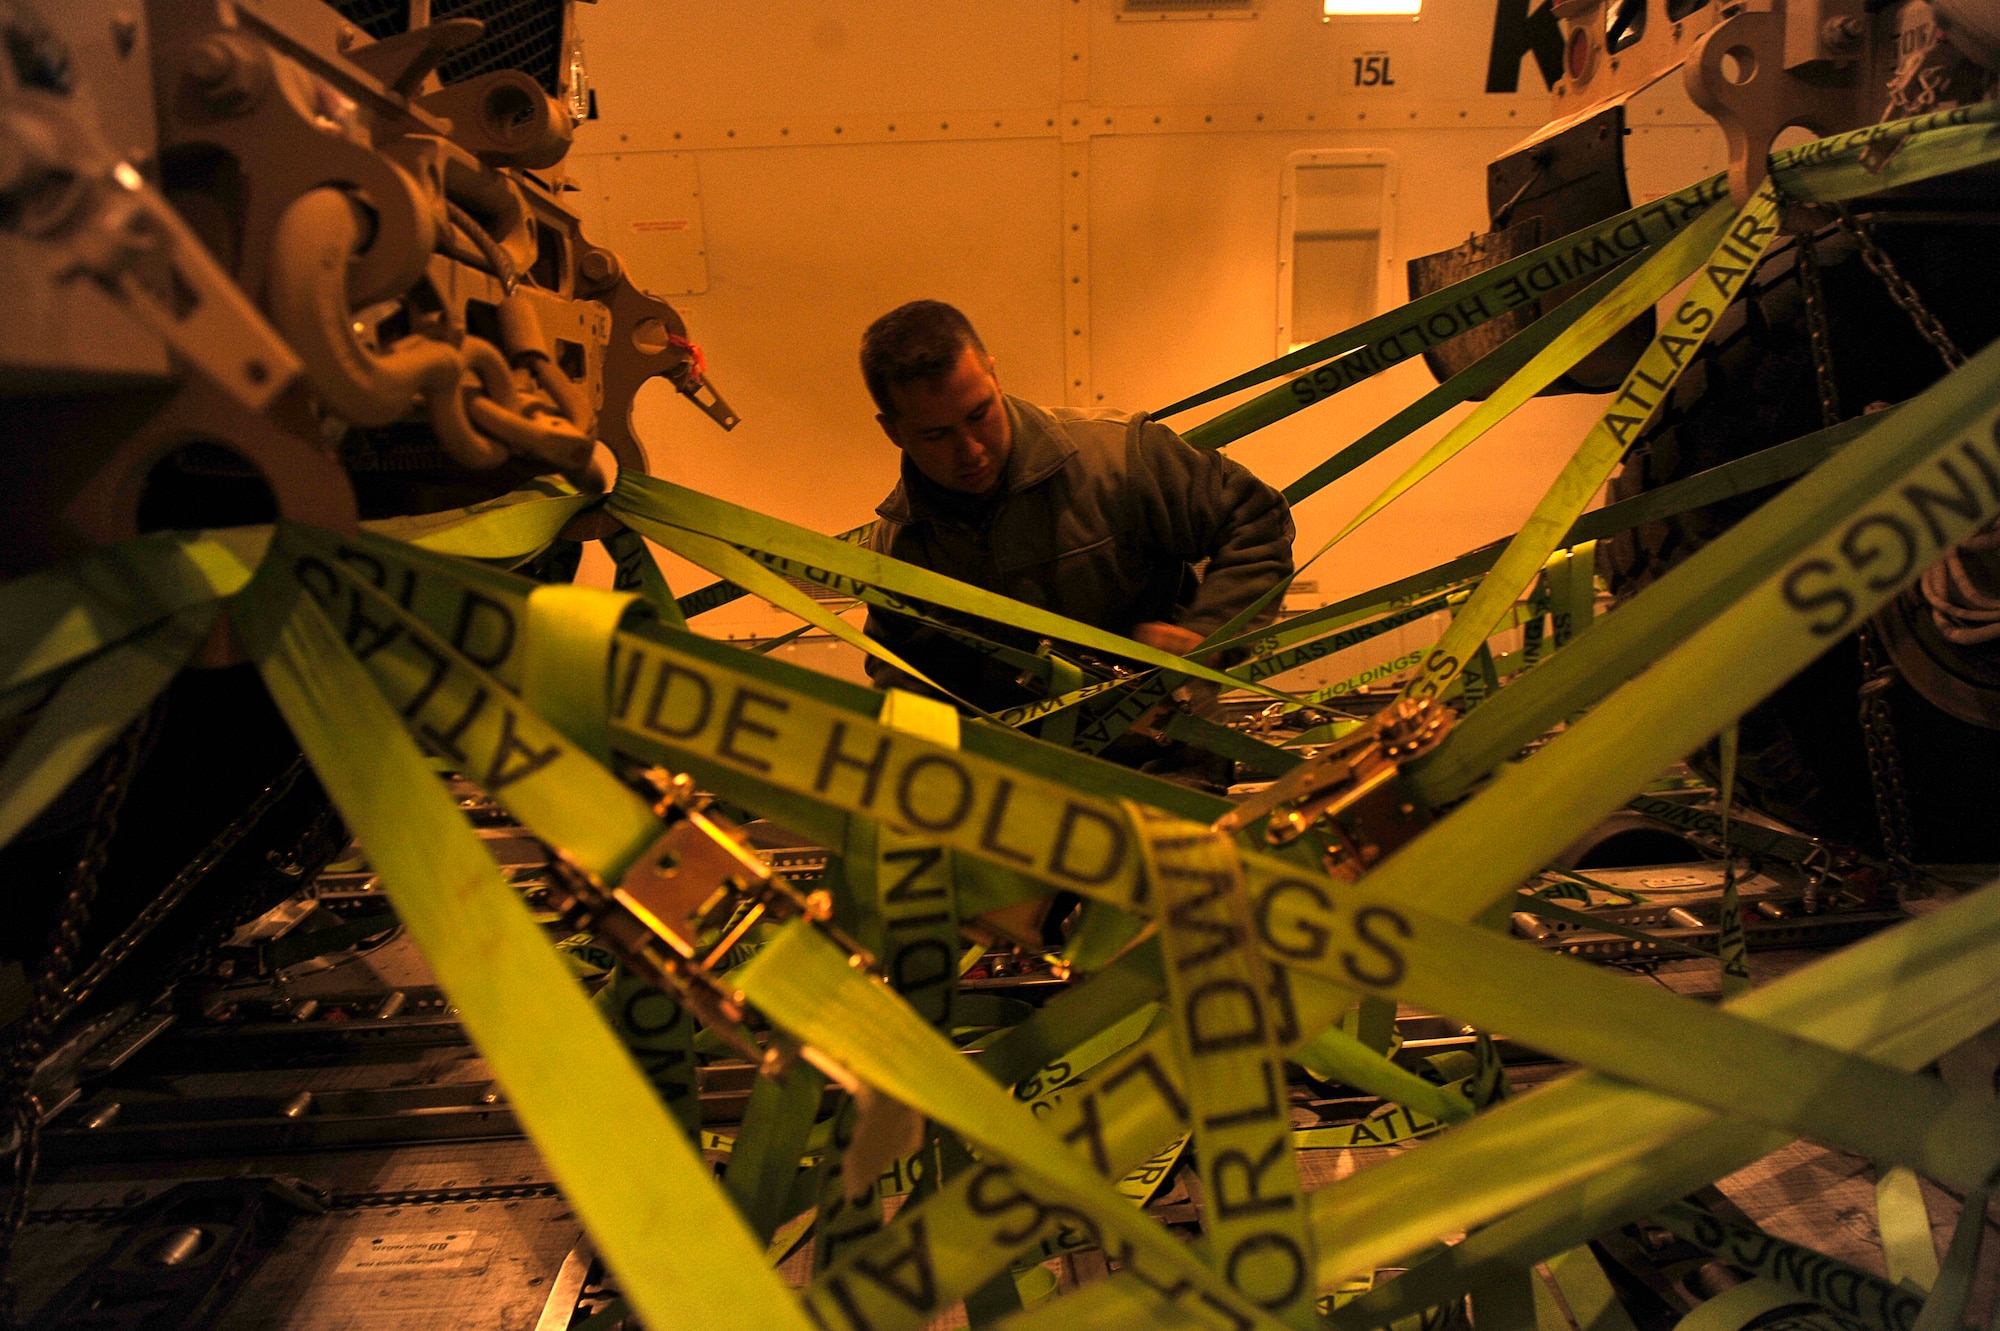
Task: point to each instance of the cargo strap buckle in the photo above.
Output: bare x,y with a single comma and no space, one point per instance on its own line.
1355,787
697,881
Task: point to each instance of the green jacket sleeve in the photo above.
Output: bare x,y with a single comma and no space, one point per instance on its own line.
1197,504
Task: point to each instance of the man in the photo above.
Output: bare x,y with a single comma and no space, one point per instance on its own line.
1099,516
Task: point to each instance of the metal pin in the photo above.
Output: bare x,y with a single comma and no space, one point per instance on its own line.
1528,926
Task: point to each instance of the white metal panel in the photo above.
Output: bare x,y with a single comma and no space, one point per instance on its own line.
721,58
647,206
1336,242
1338,192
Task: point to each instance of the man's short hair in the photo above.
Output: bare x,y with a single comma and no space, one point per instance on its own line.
915,343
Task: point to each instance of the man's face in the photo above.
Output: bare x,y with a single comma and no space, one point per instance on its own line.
956,429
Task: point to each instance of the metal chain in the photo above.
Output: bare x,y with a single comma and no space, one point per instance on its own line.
319,843
1878,730
1900,290
339,1201
495,1192
1822,342
190,877
1885,767
1916,83
314,845
45,1004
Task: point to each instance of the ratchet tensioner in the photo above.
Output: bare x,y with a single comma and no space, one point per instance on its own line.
697,879
1355,787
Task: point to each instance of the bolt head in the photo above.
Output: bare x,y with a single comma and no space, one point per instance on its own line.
229,73
210,62
1842,33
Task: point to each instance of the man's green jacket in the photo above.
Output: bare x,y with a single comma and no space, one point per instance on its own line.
1100,516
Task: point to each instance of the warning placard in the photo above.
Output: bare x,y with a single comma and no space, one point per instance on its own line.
440,1251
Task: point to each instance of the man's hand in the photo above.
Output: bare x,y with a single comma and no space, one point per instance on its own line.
1166,637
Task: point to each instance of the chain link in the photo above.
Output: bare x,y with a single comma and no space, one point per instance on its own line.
319,843
190,877
1916,83
1885,767
339,1201
1900,290
1878,729
494,1192
56,995
46,1004
1822,341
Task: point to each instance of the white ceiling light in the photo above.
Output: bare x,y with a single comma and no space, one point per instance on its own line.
1372,8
